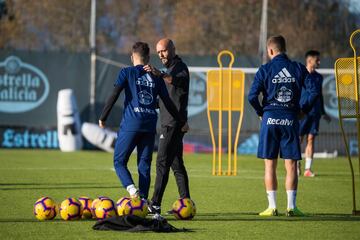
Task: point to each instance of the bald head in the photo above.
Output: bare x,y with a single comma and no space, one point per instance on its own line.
165,48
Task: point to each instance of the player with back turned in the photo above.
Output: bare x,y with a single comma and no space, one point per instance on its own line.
280,82
138,124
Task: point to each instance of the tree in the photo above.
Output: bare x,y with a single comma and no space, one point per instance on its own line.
197,27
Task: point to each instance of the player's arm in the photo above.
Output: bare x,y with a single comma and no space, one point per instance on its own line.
323,113
179,76
255,89
170,106
313,91
109,105
118,87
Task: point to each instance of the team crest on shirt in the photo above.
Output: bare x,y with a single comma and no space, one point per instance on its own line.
145,85
284,95
145,97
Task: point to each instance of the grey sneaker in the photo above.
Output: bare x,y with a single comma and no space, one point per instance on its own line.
152,209
158,217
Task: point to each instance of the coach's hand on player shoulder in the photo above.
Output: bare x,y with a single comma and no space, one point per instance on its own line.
153,70
101,124
185,128
327,118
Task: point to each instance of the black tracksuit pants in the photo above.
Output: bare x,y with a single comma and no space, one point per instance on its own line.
170,155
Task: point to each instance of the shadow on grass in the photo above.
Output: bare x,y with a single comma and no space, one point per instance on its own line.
208,217
252,216
56,220
43,186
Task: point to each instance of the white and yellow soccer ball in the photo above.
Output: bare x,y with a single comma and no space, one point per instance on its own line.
105,209
71,209
120,205
45,208
184,209
136,206
95,203
86,205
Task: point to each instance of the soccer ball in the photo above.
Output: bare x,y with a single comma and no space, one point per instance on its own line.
137,207
95,203
184,209
71,209
105,209
86,204
45,208
120,205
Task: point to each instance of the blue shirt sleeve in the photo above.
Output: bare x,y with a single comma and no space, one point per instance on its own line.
256,88
121,81
311,89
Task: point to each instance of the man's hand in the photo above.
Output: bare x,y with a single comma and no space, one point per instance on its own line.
301,115
101,124
185,128
153,70
327,118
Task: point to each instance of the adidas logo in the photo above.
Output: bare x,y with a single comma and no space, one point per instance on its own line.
283,77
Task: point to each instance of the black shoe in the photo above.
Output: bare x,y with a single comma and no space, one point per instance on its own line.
170,212
152,209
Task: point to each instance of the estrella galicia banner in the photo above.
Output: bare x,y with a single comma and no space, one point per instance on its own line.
28,137
30,81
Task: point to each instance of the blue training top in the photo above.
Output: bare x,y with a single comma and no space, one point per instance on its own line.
141,91
318,105
281,81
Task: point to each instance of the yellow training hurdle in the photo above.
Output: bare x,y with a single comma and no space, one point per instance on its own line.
347,71
225,92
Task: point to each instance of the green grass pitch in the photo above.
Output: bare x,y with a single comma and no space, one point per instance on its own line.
227,207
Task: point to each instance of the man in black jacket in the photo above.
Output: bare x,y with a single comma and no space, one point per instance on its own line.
170,151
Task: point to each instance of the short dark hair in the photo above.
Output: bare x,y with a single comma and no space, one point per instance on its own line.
312,53
277,42
142,49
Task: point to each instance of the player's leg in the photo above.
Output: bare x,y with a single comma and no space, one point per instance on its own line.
270,180
309,155
290,151
178,167
299,162
310,148
304,130
124,146
268,150
163,162
145,149
291,184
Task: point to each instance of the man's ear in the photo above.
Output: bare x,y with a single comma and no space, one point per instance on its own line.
132,59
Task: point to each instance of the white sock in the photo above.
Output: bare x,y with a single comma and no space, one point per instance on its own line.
308,162
291,198
271,195
131,189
